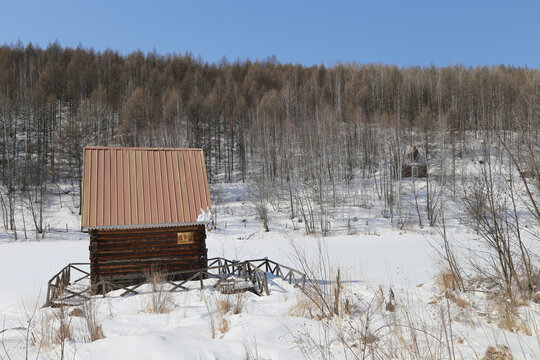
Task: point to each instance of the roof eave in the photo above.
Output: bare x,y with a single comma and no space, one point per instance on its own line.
143,226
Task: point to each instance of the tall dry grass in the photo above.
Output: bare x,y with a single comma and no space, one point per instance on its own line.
161,300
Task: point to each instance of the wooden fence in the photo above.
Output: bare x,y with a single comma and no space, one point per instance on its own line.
66,289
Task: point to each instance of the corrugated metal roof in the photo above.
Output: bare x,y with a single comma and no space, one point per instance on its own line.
143,187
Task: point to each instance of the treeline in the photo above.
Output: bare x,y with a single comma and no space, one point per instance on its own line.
289,124
55,100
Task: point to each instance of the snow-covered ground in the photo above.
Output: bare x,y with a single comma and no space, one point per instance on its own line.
284,325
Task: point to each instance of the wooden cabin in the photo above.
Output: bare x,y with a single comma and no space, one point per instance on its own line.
415,165
146,210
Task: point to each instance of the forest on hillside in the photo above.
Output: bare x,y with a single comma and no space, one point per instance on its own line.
322,149
296,127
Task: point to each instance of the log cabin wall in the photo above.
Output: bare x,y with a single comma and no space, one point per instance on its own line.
134,253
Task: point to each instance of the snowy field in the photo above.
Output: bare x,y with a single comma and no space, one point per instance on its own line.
284,325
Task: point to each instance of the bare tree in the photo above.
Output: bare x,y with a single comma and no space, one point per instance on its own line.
260,192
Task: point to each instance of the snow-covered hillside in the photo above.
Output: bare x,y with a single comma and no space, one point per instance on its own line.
390,303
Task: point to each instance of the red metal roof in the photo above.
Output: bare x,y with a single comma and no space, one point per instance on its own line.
143,187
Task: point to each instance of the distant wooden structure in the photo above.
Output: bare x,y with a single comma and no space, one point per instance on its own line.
415,164
145,210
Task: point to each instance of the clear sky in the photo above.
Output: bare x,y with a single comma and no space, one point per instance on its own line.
397,32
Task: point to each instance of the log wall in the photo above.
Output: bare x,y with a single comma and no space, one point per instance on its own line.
129,255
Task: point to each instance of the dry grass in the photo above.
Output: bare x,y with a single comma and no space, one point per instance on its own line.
223,306
223,324
510,320
446,280
76,312
506,315
232,302
210,305
251,351
55,328
302,307
321,304
337,290
47,330
324,300
377,326
90,317
239,302
498,352
229,304
185,304
459,302
63,333
161,300
370,332
462,303
220,308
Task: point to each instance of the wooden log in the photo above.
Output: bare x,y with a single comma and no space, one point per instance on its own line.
122,252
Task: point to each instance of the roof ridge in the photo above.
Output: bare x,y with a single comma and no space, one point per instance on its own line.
141,148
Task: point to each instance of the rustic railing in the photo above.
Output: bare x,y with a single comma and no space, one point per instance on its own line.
61,290
57,287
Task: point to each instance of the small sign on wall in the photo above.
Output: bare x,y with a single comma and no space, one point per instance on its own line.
185,237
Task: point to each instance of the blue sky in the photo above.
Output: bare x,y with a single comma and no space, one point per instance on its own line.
307,32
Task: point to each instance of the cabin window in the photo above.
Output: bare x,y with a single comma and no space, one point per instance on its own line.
185,237
414,171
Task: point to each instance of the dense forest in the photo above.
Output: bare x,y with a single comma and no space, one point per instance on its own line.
287,124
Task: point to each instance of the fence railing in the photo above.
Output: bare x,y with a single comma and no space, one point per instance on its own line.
58,285
61,289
